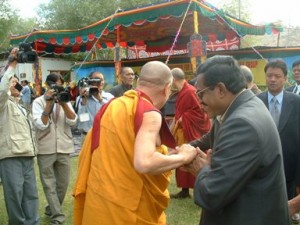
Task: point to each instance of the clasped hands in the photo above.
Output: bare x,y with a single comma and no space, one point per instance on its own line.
195,158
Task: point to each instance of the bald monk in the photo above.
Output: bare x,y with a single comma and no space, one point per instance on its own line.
125,163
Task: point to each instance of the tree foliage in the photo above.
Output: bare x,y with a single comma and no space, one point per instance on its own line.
237,8
74,14
11,23
6,17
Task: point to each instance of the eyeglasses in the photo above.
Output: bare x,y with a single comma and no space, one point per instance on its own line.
200,93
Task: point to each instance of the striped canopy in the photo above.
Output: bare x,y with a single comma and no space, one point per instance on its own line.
152,25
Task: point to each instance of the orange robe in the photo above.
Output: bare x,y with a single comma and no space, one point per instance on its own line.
194,124
108,190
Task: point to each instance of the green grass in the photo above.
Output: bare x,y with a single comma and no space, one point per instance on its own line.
179,212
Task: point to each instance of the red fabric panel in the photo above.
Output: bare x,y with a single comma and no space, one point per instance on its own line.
78,39
66,40
89,46
59,50
91,37
75,48
184,179
195,122
52,41
110,44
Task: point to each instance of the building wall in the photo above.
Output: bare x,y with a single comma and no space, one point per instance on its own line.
25,71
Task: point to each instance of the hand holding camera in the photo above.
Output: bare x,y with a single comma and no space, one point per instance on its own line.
58,94
89,87
13,58
23,54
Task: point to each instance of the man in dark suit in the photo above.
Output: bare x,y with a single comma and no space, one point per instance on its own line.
242,182
288,124
296,74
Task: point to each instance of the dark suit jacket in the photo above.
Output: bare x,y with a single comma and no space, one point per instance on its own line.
291,88
245,182
289,132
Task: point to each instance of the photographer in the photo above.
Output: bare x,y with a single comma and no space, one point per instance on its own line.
17,151
53,117
90,101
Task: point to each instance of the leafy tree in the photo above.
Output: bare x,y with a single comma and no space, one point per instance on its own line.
11,23
74,14
6,17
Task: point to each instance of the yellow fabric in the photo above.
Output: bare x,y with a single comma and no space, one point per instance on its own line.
115,192
178,134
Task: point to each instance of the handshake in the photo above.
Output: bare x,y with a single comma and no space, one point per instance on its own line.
195,159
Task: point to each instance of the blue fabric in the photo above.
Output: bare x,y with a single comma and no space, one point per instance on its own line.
26,94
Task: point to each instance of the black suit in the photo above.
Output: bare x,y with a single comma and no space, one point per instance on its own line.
289,132
291,88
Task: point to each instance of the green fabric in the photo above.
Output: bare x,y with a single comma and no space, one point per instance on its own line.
172,9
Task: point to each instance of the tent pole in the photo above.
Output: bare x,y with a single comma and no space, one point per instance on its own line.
37,73
117,53
195,61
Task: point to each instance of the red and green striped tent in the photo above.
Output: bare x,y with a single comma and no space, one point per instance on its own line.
154,25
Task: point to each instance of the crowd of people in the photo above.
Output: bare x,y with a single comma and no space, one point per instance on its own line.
236,146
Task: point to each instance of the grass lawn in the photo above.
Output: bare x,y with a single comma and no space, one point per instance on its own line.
179,212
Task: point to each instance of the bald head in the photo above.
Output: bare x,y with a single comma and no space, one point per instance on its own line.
178,73
155,72
247,74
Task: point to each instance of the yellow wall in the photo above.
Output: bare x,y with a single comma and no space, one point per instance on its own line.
257,68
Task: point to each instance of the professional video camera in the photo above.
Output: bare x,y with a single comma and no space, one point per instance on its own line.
61,94
24,55
90,84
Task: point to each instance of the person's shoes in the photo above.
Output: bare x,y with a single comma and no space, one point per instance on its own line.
295,218
181,194
47,211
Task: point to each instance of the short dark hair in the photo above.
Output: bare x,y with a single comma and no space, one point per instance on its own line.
25,81
225,69
277,63
296,63
53,78
92,73
124,68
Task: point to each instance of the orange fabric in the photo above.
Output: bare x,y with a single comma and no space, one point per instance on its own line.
183,179
115,192
178,134
79,190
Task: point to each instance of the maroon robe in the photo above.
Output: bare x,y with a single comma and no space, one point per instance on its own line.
195,123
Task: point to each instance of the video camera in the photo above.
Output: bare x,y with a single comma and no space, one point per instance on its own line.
89,84
24,55
61,94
